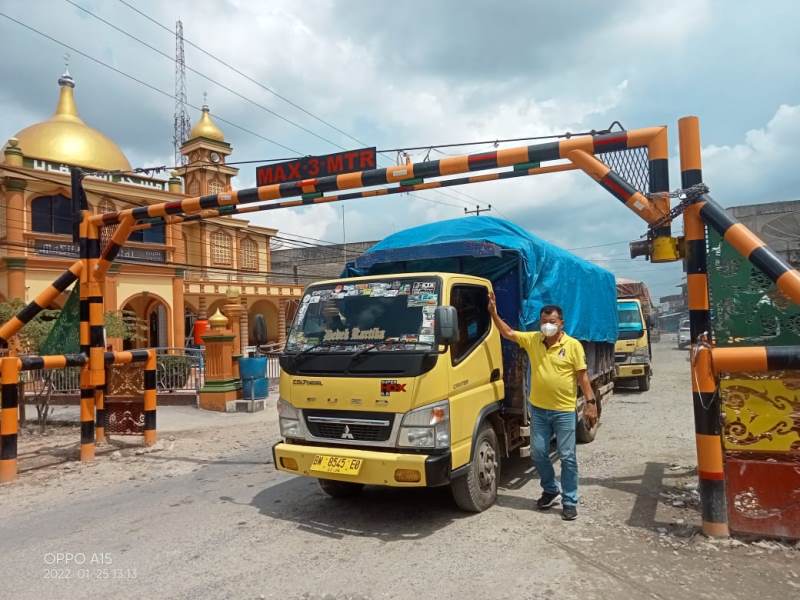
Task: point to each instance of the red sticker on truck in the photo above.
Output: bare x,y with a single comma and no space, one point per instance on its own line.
390,385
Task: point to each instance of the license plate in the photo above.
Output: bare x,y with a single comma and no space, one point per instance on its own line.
341,465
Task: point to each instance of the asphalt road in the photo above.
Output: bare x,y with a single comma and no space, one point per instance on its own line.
209,517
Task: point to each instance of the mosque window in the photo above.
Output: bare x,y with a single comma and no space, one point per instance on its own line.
249,250
155,234
221,253
215,187
51,214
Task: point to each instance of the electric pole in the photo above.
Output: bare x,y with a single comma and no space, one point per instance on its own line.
478,210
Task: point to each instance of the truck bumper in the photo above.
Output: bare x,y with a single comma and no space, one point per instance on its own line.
628,371
377,468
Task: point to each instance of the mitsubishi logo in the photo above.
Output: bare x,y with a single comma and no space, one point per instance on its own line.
347,435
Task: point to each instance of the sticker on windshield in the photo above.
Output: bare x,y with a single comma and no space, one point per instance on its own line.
423,286
331,335
426,339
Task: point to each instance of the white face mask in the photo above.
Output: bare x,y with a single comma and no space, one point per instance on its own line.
549,329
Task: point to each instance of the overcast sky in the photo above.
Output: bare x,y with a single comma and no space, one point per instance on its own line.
435,72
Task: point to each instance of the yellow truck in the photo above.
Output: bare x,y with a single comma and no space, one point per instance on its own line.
397,377
633,350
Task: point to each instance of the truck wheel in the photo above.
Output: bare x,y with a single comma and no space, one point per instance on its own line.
477,490
340,489
644,382
584,435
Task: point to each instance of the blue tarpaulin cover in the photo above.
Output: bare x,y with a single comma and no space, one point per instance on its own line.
491,248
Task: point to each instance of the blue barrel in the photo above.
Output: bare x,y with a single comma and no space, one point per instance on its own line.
253,371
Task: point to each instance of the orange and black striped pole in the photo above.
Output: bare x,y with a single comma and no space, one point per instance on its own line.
658,176
9,416
54,361
704,386
755,359
113,247
150,398
89,250
100,413
749,245
42,301
311,190
618,187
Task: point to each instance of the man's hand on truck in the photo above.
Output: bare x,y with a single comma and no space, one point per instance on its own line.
504,328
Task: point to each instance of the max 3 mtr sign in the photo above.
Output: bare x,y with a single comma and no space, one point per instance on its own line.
310,167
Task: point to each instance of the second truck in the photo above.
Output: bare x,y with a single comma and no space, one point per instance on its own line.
394,375
633,351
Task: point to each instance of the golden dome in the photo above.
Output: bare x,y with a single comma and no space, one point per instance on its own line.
206,128
65,138
218,320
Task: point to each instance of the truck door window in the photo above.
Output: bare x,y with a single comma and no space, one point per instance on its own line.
473,318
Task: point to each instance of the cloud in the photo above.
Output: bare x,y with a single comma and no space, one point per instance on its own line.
762,167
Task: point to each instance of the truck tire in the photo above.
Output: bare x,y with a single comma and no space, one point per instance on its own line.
644,382
584,435
340,489
477,490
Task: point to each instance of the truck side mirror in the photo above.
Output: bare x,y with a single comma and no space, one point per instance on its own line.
259,330
445,325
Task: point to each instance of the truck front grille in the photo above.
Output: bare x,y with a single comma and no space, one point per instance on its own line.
620,357
349,425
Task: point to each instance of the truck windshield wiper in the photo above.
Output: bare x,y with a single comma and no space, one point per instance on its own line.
367,348
307,352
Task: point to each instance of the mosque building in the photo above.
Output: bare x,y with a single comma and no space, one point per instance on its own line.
167,276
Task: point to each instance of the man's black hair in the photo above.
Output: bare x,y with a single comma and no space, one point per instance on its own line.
549,309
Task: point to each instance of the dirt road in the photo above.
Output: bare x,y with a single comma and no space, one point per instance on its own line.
209,517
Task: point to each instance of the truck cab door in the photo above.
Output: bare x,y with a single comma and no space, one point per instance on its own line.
476,369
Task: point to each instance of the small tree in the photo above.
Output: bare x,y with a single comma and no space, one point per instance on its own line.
35,332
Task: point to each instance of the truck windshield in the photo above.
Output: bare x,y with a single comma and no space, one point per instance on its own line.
630,320
386,315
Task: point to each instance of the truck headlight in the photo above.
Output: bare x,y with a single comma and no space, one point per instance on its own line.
641,353
426,427
288,419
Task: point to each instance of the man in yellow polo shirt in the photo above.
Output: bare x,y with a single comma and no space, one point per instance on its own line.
558,365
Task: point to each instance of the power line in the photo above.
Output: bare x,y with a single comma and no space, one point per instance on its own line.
141,82
167,94
271,91
205,268
245,75
117,199
203,75
181,99
599,245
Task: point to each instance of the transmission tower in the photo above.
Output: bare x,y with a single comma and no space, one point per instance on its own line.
181,125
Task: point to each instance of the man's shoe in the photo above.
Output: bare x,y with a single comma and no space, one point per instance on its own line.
569,512
547,500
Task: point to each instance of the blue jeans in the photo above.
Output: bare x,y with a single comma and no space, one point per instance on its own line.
546,422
